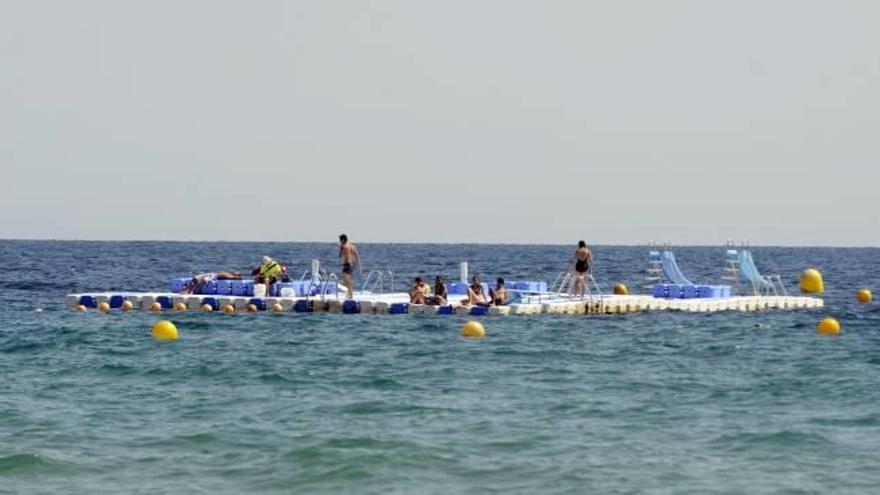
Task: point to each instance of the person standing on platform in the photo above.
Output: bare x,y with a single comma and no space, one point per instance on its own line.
583,266
348,253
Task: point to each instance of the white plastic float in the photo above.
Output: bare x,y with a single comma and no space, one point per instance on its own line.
398,303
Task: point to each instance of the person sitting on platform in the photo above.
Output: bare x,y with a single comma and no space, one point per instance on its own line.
440,296
498,295
475,293
419,292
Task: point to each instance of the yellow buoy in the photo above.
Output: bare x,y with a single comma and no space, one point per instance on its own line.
207,308
864,296
473,329
127,305
180,307
811,282
155,307
277,308
251,308
621,289
229,308
80,308
103,307
828,326
164,330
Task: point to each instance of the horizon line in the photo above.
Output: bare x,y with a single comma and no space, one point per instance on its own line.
504,243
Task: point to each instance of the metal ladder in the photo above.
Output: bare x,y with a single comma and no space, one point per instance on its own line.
730,272
654,270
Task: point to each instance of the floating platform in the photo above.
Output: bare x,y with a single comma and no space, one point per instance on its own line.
398,303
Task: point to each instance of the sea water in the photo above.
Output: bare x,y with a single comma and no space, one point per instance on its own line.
652,402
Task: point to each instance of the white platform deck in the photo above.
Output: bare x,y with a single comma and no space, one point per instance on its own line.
368,303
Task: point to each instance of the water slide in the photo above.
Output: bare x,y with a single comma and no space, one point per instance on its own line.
671,270
749,271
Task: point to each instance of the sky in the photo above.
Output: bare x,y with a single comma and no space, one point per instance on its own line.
617,122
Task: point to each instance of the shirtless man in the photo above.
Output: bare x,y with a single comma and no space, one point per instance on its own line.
583,265
349,255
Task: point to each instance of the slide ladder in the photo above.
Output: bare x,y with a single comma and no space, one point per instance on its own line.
654,271
730,272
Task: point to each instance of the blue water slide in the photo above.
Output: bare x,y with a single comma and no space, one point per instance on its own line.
749,271
671,270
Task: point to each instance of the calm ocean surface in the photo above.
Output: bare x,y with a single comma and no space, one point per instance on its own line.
657,403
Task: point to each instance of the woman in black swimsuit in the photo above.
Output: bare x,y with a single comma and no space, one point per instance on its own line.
583,258
439,297
583,265
498,294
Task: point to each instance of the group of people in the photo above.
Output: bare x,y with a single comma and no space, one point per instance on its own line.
421,293
270,272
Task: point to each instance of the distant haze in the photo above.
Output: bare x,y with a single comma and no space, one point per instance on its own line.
443,121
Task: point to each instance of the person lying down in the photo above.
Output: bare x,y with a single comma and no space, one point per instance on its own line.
195,285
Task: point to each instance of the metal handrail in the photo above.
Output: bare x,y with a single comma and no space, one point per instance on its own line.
591,286
590,278
331,278
557,282
308,292
375,281
369,277
566,285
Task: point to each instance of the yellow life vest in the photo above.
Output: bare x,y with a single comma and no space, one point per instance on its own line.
270,269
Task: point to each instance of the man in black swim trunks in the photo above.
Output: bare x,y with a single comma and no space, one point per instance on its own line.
349,254
583,265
